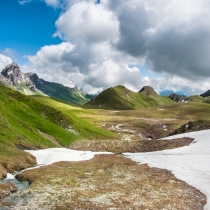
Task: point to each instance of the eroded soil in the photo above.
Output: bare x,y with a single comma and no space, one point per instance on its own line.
16,163
5,190
107,182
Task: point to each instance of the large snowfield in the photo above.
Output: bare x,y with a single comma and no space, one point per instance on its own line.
190,163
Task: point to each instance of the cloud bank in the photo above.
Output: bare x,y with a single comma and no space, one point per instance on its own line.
100,41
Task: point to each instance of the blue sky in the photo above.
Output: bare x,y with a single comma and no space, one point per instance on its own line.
26,28
96,41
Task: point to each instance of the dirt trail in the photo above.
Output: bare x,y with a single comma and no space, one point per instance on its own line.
51,138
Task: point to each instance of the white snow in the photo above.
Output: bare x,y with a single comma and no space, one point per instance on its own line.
49,156
10,176
190,163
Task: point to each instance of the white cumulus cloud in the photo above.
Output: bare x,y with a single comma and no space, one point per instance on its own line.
99,41
4,61
87,23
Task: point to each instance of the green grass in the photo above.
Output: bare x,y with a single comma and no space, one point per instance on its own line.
181,112
67,115
196,98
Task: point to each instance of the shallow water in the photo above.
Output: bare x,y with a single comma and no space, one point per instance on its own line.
16,197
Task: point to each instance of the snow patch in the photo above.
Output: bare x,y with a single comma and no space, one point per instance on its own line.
190,163
49,156
10,176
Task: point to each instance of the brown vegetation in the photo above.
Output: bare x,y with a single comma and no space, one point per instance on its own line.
119,146
11,164
5,190
107,182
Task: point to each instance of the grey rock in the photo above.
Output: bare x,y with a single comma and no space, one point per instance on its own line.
177,98
13,73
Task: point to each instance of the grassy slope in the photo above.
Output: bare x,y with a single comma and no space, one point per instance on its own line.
196,98
121,98
84,128
22,116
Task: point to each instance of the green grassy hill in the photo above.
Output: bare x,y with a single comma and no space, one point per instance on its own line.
120,97
33,122
196,98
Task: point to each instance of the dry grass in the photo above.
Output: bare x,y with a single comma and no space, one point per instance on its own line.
3,172
107,182
119,146
14,163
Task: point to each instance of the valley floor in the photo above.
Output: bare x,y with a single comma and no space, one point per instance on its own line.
110,181
90,180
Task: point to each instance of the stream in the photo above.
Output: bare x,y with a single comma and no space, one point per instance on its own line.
43,157
15,197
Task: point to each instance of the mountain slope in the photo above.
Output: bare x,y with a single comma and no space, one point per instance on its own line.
27,122
120,97
59,91
31,84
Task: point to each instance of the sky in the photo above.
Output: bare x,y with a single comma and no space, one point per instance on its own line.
96,44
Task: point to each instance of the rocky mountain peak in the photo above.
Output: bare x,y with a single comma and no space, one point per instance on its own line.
148,90
13,73
177,98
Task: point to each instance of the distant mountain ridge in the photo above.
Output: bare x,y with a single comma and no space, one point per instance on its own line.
119,97
168,92
31,84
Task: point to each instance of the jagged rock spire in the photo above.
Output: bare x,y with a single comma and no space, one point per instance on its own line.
15,75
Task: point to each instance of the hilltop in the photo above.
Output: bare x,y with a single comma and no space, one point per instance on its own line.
31,84
120,97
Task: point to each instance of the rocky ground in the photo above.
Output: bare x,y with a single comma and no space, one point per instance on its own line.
106,182
119,146
192,126
140,128
5,190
